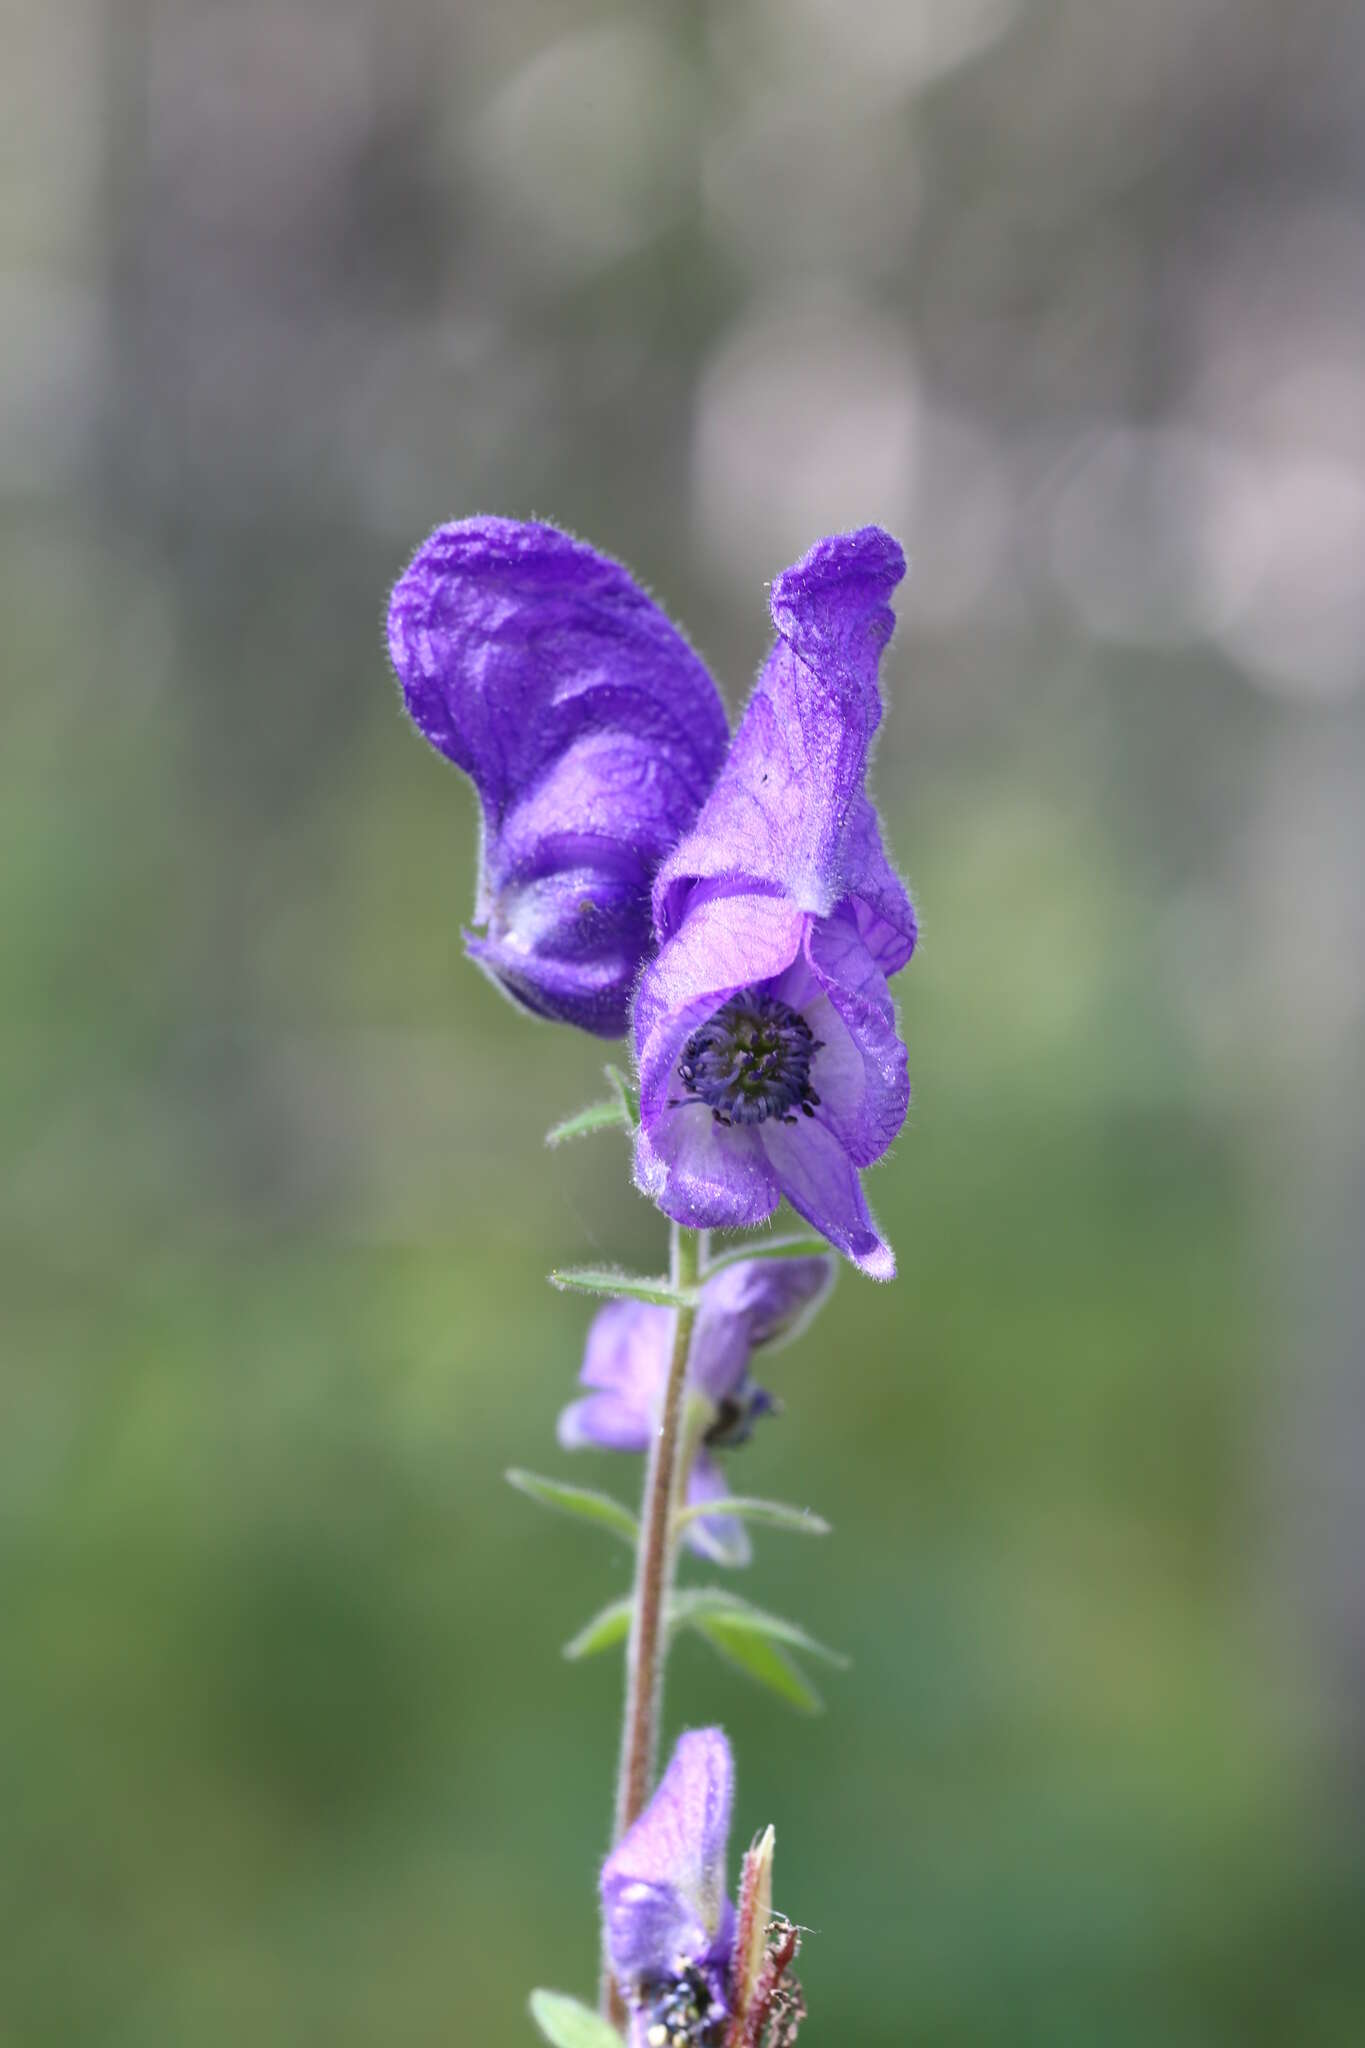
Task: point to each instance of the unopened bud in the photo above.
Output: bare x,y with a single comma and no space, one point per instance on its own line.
755,1911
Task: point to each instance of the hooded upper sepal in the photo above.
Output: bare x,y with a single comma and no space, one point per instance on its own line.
780,812
591,732
663,1885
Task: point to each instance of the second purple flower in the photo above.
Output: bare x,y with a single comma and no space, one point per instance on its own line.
694,1972
770,1063
757,1303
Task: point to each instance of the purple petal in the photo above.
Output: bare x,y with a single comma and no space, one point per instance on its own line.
821,1183
697,1171
885,915
627,1350
860,1072
591,731
567,945
732,939
721,1538
604,1422
703,1175
625,1361
780,811
760,1301
514,642
663,1886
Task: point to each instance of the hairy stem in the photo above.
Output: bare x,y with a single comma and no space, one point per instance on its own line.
654,1560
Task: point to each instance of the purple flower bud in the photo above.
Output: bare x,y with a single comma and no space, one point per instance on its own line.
591,732
770,1063
692,1971
670,1927
755,1303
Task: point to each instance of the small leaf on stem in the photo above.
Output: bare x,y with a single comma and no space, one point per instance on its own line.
717,1604
804,1246
751,1928
597,1116
580,1501
603,1632
624,1286
776,1513
625,1093
567,2024
762,1661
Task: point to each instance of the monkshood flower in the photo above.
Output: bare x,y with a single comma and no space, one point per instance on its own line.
757,1303
591,732
695,1973
765,1034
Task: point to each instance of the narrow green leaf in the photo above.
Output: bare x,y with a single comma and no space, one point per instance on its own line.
762,1661
627,1286
804,1246
775,1513
567,2024
580,1501
622,1088
715,1603
598,1116
603,1632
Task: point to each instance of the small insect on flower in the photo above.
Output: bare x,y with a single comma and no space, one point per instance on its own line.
777,2004
757,1304
690,1969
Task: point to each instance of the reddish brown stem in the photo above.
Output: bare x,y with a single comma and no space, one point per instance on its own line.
648,1645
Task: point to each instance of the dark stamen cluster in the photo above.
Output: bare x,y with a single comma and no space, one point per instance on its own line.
680,2011
735,1417
750,1061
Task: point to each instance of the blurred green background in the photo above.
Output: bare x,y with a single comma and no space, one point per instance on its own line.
1069,293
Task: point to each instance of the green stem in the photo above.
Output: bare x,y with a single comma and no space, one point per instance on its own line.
654,1560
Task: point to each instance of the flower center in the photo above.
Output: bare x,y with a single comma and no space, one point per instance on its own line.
735,1416
680,2011
750,1061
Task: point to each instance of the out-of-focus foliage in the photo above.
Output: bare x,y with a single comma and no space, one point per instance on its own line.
1070,294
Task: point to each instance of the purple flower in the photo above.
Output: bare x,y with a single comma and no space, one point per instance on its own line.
670,1928
765,1034
757,1302
592,733
693,1972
